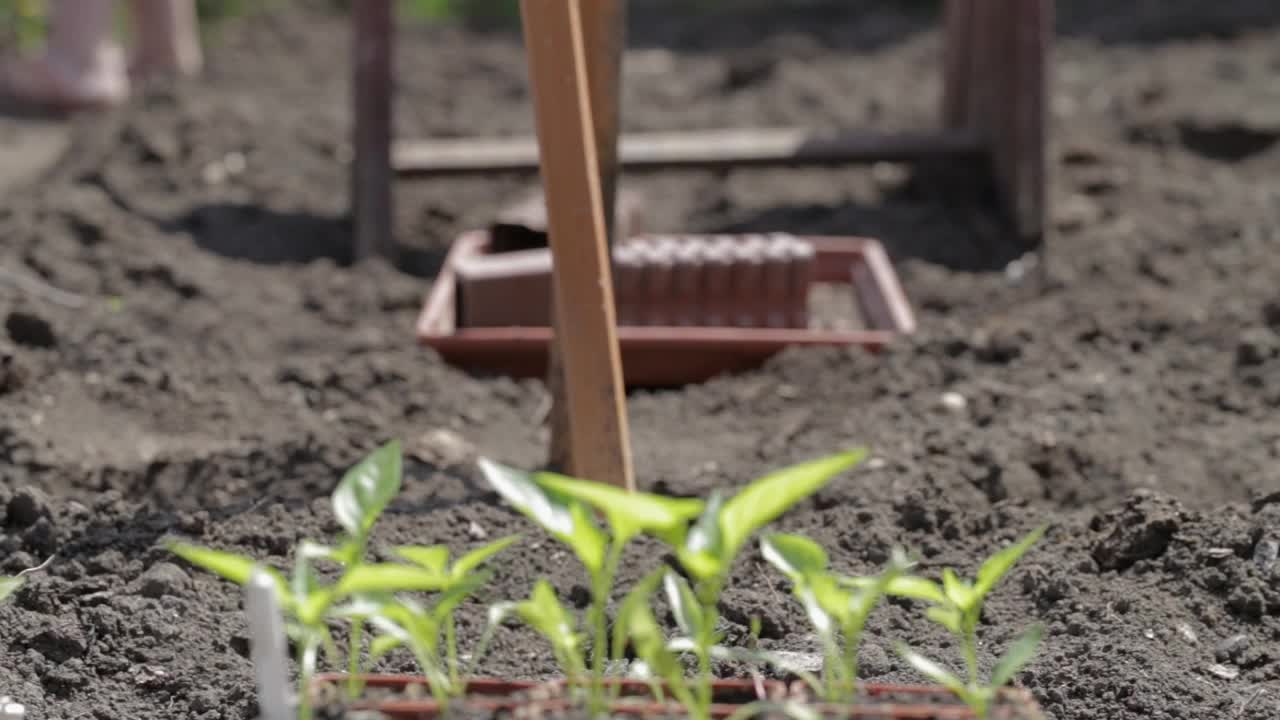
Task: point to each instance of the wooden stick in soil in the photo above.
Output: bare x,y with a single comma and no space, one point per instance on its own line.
599,445
371,87
604,36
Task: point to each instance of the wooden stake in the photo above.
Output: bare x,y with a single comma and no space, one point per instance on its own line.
604,25
371,171
604,39
599,447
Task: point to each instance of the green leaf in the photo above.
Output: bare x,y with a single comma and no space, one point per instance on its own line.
866,597
637,623
684,604
818,615
390,577
544,613
998,565
1017,656
314,606
637,597
916,588
829,595
362,605
946,616
367,489
702,550
9,586
565,519
474,559
434,558
304,583
628,513
457,592
409,624
311,550
933,671
348,553
229,566
382,645
767,498
958,591
311,642
795,556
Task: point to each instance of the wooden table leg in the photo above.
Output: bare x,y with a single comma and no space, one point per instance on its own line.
371,174
1029,133
1010,43
599,444
957,53
604,39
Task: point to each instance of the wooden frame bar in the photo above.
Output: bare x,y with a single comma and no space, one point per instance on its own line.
698,150
994,107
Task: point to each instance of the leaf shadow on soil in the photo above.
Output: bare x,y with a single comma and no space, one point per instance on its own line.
269,237
937,216
258,234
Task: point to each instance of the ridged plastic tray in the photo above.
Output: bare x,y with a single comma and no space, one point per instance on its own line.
654,356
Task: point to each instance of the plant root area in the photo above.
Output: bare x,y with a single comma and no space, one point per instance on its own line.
221,361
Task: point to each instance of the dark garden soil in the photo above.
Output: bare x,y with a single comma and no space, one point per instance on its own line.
228,363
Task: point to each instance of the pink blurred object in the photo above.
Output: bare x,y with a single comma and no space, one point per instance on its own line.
83,66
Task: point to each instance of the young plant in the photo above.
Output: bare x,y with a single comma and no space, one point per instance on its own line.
635,624
543,612
837,612
560,505
303,601
957,606
421,628
360,498
708,547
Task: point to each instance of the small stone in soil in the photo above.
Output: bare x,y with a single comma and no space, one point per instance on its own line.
953,402
1226,672
1264,554
808,662
1257,346
28,506
164,579
30,330
874,662
1231,648
443,448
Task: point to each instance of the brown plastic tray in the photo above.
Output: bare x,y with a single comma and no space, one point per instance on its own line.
664,356
482,694
922,702
877,702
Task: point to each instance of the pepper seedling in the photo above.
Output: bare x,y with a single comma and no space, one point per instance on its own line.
957,606
712,544
708,543
838,614
405,622
546,615
359,500
559,504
